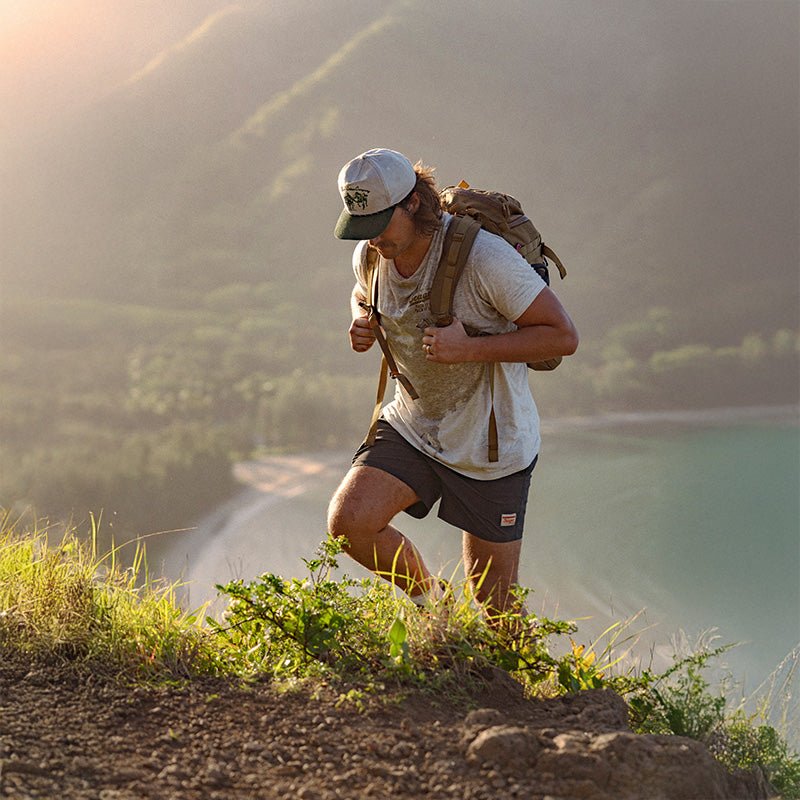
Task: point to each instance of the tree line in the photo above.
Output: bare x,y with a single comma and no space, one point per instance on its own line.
138,412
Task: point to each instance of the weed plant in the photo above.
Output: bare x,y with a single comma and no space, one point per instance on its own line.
367,632
680,702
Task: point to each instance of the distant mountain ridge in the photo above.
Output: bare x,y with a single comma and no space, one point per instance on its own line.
643,141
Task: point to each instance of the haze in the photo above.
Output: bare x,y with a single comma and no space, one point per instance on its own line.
168,192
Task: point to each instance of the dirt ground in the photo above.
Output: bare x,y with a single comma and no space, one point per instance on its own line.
64,736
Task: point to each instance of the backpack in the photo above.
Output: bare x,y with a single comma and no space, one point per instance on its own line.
501,215
472,209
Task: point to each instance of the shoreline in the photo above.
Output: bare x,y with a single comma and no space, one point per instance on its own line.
726,415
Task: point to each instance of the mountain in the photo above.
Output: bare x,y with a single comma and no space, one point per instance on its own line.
655,145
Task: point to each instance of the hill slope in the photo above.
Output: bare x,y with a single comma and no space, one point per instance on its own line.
656,147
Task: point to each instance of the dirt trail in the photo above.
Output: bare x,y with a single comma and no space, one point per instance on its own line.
80,739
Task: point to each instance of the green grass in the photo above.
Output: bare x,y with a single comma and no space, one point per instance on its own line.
64,603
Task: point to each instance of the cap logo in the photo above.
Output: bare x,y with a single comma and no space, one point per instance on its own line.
355,196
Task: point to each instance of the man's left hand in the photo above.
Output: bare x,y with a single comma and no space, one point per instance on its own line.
448,345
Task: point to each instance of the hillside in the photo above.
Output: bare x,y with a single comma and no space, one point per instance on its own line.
330,687
656,146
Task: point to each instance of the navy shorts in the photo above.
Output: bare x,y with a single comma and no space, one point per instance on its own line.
492,510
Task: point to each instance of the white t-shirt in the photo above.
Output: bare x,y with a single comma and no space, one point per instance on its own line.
450,419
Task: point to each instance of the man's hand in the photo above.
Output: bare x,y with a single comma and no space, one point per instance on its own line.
544,330
361,335
449,345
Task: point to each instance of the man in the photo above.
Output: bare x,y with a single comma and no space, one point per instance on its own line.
435,447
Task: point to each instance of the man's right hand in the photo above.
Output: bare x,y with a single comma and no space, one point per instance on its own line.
361,335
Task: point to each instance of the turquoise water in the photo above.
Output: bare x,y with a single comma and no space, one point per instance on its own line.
699,526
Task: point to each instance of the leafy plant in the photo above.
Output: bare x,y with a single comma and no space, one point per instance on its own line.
579,670
303,627
742,743
398,639
678,701
368,631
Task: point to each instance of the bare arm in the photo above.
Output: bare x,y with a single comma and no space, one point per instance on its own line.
544,331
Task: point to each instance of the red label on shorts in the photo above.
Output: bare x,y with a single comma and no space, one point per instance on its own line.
507,519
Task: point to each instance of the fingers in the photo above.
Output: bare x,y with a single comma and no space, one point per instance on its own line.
361,335
428,342
444,345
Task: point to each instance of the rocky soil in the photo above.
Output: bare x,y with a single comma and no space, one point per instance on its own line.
63,736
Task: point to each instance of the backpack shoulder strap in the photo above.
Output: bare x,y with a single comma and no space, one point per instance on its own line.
372,277
458,241
388,366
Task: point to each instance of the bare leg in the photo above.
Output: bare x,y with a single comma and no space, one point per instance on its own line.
492,568
361,510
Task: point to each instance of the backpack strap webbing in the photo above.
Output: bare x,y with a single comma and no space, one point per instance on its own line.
388,364
458,240
494,442
550,253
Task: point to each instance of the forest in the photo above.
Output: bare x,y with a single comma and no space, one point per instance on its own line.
138,413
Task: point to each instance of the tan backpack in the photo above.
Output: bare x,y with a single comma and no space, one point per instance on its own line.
472,210
497,213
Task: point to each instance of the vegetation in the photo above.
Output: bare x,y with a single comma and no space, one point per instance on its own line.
680,702
66,604
140,410
368,631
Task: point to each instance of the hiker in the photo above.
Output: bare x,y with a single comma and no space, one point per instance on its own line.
434,447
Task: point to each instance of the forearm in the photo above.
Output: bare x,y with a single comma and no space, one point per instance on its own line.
544,331
529,344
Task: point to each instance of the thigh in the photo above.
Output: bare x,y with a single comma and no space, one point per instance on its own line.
367,499
392,454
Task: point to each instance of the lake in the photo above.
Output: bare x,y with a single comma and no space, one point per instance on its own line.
691,518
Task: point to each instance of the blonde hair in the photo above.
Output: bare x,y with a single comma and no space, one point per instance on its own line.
429,213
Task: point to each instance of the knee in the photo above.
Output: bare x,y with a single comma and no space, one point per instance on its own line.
337,517
345,520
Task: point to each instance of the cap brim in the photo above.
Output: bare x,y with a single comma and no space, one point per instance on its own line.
362,226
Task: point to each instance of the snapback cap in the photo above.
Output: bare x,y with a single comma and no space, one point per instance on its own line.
371,185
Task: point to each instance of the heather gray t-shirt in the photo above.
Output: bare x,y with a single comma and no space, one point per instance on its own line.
450,420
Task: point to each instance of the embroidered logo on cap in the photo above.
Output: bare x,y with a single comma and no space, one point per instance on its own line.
356,196
507,520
